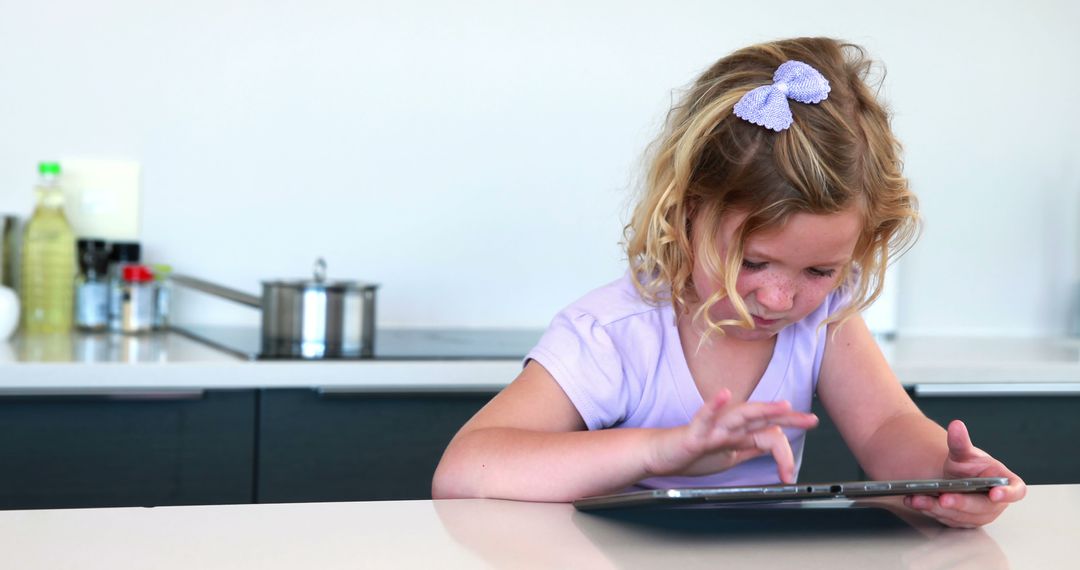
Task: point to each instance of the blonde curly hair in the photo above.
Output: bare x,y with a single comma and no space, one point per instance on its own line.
708,162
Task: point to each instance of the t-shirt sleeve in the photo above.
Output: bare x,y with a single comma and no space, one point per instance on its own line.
582,357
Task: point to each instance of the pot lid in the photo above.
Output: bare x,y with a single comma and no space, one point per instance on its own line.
318,281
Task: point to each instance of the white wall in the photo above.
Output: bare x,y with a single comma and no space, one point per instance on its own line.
475,157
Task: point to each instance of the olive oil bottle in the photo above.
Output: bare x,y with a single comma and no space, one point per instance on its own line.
48,259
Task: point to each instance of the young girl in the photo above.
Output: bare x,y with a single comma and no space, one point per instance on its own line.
772,206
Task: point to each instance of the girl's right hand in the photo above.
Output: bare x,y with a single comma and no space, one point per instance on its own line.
717,439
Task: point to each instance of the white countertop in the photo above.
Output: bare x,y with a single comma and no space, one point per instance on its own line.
168,361
1038,532
109,363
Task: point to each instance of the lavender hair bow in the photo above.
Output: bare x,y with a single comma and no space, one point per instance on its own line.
768,106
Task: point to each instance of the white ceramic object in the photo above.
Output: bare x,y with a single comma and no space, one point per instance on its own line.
9,312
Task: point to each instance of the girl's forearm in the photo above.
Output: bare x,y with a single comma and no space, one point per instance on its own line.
907,446
541,466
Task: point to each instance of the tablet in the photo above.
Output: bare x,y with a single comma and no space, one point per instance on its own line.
793,492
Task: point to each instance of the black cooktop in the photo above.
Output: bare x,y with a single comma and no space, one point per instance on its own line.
391,343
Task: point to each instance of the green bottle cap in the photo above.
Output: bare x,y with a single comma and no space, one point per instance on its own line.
49,168
161,271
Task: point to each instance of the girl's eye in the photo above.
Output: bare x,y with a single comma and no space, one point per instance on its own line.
751,266
821,272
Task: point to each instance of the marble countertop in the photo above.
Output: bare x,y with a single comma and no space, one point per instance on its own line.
170,361
1038,532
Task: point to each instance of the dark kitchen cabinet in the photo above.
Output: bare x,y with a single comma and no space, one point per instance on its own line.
825,455
359,447
322,446
298,445
1028,433
126,449
1035,436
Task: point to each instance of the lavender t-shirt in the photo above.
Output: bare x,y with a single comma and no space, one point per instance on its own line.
619,360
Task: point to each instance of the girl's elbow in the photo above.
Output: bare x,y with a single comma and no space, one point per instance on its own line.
450,483
441,486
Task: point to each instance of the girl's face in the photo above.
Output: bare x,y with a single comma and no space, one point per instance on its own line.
786,272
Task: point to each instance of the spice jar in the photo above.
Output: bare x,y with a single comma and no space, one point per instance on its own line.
162,295
136,299
92,286
121,255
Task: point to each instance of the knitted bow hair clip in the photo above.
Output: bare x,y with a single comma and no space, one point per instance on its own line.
768,105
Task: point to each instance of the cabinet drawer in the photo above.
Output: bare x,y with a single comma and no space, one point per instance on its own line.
156,448
355,447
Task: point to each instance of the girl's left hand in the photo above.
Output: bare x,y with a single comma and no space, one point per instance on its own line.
969,510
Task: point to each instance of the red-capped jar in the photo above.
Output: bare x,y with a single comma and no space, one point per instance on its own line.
136,299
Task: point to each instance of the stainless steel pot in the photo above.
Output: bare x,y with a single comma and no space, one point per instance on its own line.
306,318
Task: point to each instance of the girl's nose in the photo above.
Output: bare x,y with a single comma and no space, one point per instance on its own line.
776,297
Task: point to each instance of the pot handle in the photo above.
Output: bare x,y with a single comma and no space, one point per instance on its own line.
219,290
